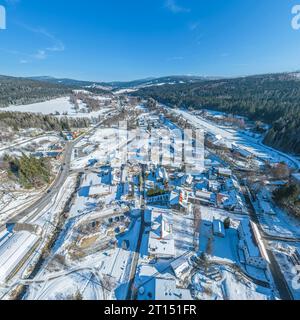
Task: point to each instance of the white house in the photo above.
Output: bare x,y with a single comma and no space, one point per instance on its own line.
161,242
224,172
189,179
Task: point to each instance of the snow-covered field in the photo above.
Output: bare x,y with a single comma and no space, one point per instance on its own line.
39,143
60,105
90,278
123,91
65,286
63,106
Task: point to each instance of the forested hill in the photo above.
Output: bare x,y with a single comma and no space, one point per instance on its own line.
272,98
14,91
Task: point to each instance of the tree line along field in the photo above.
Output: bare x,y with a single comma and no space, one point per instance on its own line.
24,120
15,91
272,98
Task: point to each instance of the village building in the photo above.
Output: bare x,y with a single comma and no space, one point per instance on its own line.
205,197
161,242
180,267
251,245
218,228
225,172
99,190
165,289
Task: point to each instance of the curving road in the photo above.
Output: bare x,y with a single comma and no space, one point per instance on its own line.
34,209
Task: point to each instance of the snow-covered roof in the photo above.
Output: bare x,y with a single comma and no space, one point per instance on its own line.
218,227
204,194
165,289
249,239
161,241
180,266
13,251
225,171
189,179
174,198
99,189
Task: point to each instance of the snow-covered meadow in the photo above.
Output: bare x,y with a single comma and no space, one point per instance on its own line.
60,107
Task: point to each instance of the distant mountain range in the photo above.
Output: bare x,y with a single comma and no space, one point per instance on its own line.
70,82
152,81
159,81
117,85
17,90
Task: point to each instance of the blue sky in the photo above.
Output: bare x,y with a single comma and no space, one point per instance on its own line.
103,40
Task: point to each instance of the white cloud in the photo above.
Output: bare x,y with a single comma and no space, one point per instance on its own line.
40,55
174,7
55,45
194,25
